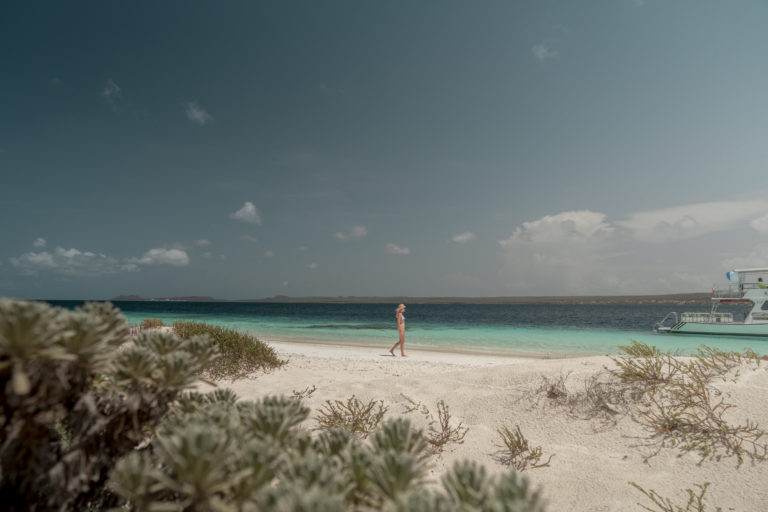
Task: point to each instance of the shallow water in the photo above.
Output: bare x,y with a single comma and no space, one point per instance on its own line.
540,329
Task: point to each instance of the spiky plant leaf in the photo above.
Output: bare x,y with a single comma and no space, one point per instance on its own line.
398,436
275,417
466,482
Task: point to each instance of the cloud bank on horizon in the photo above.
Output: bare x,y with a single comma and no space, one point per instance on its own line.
585,253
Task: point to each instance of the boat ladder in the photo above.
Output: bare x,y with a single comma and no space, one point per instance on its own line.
660,325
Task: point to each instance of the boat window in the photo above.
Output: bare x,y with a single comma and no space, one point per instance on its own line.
764,307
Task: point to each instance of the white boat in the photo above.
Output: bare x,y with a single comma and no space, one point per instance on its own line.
750,290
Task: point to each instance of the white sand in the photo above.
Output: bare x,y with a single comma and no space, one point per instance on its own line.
593,461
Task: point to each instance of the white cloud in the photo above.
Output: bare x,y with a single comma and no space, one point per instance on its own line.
248,213
162,256
544,52
112,94
757,257
269,254
197,114
202,243
249,238
395,249
575,226
74,262
303,248
760,224
584,253
312,265
285,283
693,220
111,90
70,262
39,242
463,238
353,232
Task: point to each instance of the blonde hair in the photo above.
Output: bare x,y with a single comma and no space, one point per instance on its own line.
400,308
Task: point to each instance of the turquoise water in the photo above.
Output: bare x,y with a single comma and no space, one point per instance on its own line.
536,329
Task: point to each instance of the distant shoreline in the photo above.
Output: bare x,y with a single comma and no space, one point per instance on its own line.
676,298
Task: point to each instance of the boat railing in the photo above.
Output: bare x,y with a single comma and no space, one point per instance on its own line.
728,292
661,326
707,318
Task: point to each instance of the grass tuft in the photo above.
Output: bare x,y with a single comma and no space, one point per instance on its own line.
352,415
517,451
439,430
695,501
152,323
241,353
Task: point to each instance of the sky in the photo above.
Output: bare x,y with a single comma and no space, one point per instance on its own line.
357,148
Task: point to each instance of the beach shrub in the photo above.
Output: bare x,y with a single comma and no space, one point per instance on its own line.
517,451
352,415
439,432
695,501
682,405
71,404
692,416
644,364
304,393
241,353
218,454
152,323
602,396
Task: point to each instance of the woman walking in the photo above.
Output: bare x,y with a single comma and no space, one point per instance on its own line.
401,330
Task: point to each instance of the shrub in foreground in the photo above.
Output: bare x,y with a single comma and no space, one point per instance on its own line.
217,454
241,353
71,404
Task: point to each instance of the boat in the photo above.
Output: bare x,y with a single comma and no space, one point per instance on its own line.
746,288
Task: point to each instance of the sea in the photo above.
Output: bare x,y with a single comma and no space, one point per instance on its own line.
539,330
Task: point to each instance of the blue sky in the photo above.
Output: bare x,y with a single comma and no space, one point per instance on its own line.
248,149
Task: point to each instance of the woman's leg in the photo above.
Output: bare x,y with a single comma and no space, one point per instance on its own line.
402,342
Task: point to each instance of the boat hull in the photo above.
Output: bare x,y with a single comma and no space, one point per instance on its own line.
714,329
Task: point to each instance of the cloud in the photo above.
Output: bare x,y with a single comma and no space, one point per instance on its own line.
312,265
69,262
574,226
210,255
353,232
248,213
112,94
39,242
202,243
162,256
269,254
693,220
463,238
755,258
760,224
197,114
544,52
74,262
249,238
584,253
395,249
302,248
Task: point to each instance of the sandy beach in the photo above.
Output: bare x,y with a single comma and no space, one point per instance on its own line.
595,454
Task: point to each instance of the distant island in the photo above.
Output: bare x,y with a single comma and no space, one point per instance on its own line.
674,298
